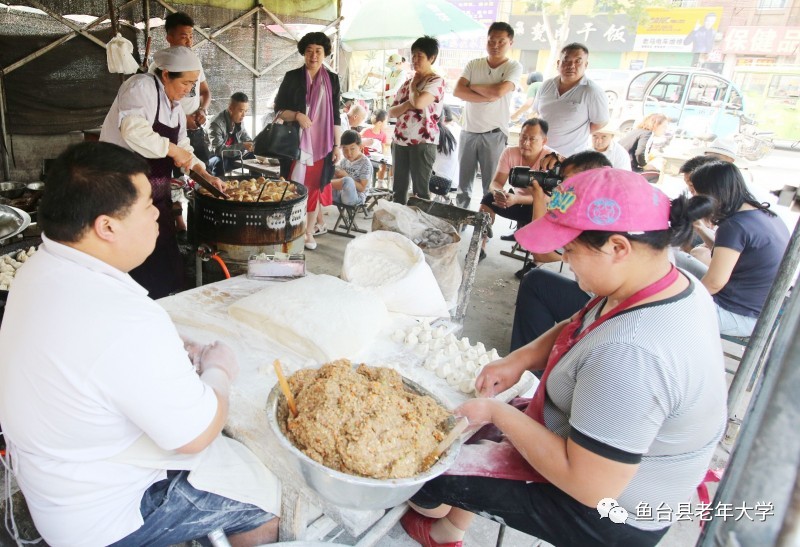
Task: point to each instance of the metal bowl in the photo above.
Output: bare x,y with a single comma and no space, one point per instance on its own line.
349,490
35,186
12,190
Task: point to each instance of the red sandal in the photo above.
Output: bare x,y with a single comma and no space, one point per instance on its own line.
418,527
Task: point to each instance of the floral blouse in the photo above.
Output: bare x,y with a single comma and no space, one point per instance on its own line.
420,126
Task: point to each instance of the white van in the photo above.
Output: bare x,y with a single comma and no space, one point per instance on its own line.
699,102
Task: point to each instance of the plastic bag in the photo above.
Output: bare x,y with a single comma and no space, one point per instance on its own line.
119,56
438,239
393,267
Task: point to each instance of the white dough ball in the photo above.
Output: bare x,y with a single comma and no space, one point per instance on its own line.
464,344
415,331
398,336
471,366
471,353
480,348
422,349
425,336
452,349
443,370
451,338
483,359
467,386
453,379
430,363
425,326
411,340
493,355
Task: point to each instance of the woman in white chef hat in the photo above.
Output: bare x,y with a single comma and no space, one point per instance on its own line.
147,118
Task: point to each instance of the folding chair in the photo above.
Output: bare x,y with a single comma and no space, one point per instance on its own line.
347,218
373,195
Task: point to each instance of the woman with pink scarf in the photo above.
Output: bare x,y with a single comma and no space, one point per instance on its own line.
309,96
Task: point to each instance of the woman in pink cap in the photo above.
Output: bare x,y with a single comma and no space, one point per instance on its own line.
631,404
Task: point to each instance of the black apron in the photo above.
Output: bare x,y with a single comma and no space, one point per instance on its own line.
162,272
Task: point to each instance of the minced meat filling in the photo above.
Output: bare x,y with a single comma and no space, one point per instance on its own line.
363,422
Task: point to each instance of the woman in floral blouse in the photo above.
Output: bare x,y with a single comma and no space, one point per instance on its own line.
417,107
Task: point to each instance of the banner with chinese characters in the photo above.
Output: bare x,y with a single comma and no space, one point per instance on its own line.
482,11
678,30
598,32
762,40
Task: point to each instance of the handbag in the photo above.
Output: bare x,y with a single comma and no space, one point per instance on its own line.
278,140
439,185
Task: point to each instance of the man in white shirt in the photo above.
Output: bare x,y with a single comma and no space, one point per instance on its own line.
112,374
486,86
180,32
603,141
573,105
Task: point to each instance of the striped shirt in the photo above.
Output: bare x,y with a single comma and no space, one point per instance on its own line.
646,387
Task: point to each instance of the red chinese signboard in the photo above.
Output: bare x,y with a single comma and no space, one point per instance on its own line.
762,40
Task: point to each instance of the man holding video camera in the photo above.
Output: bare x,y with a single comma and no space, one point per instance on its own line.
517,203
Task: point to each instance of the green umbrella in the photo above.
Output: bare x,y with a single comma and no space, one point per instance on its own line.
396,24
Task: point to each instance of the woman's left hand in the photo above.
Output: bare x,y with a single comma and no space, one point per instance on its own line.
337,154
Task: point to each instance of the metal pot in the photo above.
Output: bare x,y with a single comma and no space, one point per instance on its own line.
18,245
12,190
350,490
13,221
249,225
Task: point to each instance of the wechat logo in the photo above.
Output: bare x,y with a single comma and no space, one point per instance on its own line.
608,507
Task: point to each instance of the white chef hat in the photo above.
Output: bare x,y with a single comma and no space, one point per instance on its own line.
176,59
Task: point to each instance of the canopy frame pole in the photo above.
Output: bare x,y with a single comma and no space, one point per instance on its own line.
146,15
67,37
283,58
4,146
233,23
256,63
74,26
764,463
208,36
77,30
281,24
763,334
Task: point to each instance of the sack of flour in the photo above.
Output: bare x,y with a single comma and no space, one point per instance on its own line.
395,269
438,239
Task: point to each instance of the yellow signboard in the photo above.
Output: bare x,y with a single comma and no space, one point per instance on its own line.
678,20
678,29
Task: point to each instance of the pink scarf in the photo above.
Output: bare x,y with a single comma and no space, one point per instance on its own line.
317,141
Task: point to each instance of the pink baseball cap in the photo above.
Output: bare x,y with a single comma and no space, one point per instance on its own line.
608,200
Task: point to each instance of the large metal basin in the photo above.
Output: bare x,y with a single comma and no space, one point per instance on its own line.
349,490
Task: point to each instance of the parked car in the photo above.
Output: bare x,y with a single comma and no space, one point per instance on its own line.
700,103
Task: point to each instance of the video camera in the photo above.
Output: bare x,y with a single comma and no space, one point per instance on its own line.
523,177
